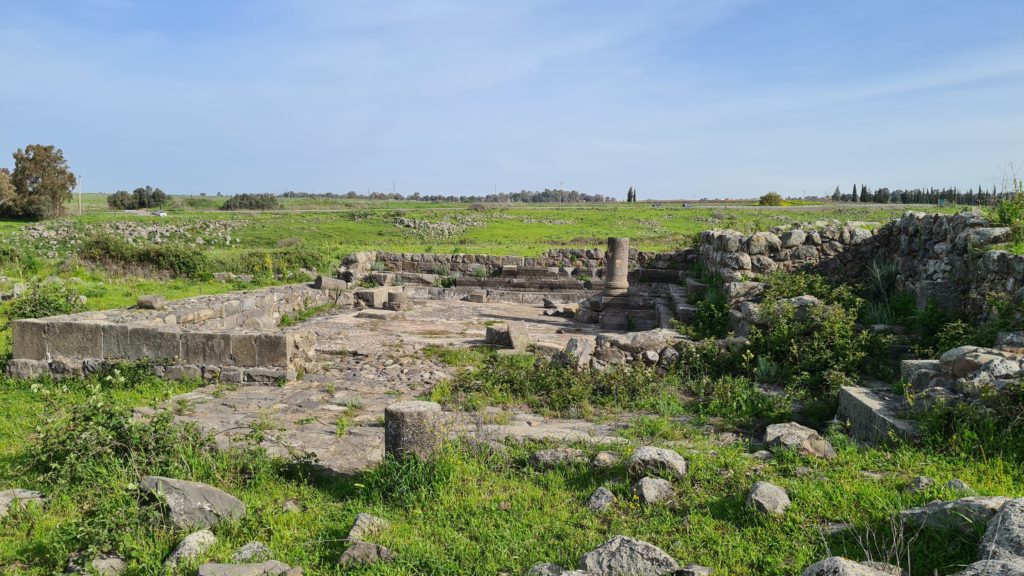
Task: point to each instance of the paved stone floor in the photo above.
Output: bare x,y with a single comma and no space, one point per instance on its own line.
367,360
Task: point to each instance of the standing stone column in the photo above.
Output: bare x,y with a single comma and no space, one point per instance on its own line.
616,267
413,429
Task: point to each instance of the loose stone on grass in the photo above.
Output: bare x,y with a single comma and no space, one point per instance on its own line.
624,556
267,568
193,504
653,490
252,552
191,547
600,500
768,498
365,553
19,497
798,437
650,460
366,526
554,457
604,460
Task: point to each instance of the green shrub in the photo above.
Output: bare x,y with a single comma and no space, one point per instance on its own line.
992,426
737,399
80,438
47,298
251,202
781,285
825,339
770,199
548,385
1009,212
175,257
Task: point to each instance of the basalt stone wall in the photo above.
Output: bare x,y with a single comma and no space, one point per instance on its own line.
233,337
942,258
589,262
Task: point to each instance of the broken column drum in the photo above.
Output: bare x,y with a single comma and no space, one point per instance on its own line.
412,429
617,266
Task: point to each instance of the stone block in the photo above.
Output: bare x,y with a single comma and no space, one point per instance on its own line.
117,344
873,418
273,349
206,348
29,339
182,372
154,344
74,340
373,297
151,302
244,349
24,369
477,297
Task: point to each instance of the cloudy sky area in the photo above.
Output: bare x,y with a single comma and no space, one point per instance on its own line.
683,98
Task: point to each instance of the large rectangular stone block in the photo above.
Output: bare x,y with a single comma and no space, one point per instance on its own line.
154,344
206,348
273,349
74,340
29,339
117,344
244,350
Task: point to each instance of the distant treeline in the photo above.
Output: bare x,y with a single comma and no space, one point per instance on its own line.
547,195
973,197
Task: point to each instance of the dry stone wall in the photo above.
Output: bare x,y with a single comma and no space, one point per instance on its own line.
941,258
233,337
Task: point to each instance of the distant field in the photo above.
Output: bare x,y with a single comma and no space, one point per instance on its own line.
343,226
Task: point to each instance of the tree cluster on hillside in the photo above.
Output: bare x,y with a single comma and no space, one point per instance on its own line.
39,186
526,196
251,202
139,198
972,197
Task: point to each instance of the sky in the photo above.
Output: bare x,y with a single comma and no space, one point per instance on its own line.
680,99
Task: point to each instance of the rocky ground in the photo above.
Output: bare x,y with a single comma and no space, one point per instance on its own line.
369,359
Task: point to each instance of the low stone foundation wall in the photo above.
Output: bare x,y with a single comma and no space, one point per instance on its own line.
576,262
232,337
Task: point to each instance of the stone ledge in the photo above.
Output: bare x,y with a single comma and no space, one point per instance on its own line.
873,417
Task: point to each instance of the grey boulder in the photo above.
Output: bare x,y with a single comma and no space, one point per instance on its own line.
653,490
600,500
801,438
365,553
366,526
624,556
839,566
767,498
1004,537
191,547
193,504
653,461
268,568
252,552
963,514
18,497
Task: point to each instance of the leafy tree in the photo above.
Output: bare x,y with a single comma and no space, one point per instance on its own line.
121,200
42,181
8,197
771,199
864,193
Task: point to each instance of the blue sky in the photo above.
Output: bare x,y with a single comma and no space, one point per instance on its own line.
684,98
